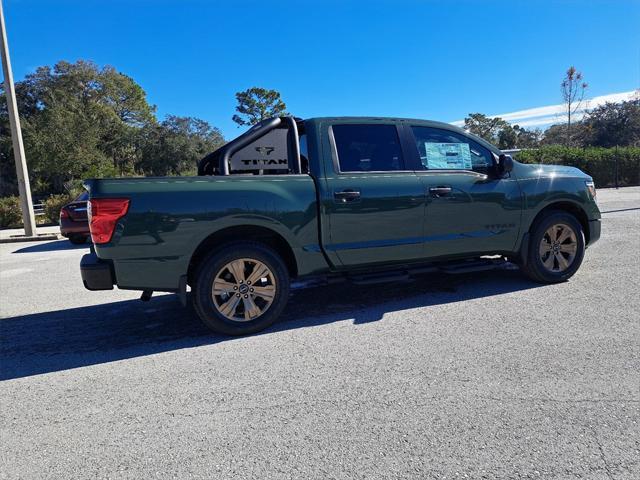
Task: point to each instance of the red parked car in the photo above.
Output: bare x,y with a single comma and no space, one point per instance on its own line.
73,220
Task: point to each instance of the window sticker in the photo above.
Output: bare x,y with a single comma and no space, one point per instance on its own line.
447,156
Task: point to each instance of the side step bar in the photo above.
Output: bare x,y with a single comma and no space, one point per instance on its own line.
370,279
473,266
467,266
406,274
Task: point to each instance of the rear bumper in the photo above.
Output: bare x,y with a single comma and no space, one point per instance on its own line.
70,227
97,274
594,231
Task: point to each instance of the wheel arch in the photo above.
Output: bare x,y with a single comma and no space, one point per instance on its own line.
252,233
565,206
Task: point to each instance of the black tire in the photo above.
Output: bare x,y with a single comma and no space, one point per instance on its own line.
535,267
78,239
206,305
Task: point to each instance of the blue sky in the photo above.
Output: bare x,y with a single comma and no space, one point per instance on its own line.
412,58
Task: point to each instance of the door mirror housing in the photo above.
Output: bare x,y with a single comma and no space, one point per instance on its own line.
505,164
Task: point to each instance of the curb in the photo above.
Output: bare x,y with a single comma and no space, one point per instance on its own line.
35,238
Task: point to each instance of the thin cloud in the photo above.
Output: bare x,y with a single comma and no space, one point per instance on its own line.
542,116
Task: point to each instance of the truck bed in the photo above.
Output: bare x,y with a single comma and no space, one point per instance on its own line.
170,217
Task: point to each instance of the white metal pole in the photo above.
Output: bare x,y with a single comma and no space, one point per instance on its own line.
24,188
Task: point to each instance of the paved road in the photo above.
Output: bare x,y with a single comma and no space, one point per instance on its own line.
481,376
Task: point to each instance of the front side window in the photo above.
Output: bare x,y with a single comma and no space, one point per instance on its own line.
368,148
441,149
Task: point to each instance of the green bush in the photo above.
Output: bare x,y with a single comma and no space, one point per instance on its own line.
52,206
598,162
10,213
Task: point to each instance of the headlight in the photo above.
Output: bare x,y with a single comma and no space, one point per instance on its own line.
592,189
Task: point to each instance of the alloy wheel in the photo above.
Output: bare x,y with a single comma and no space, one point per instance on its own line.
243,289
558,248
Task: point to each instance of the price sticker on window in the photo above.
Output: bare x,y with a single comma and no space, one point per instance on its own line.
447,156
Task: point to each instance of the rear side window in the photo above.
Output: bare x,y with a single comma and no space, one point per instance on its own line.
304,153
368,148
446,150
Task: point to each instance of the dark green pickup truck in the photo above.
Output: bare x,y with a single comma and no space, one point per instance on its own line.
297,202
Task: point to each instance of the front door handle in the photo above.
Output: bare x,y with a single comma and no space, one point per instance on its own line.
439,191
346,196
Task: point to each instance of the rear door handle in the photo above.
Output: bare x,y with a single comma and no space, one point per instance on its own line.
346,196
439,191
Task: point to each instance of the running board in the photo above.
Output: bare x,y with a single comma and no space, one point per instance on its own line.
369,279
473,266
404,275
467,266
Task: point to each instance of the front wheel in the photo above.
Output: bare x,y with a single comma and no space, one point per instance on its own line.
240,289
556,248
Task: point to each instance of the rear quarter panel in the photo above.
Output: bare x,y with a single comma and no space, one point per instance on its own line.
169,217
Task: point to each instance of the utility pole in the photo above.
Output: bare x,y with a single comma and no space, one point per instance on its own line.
24,188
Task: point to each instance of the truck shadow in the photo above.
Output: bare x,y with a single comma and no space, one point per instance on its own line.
54,246
72,338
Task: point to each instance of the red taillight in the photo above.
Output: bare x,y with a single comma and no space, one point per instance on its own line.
103,215
63,213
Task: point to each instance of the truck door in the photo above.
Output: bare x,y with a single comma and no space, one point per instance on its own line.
469,209
374,203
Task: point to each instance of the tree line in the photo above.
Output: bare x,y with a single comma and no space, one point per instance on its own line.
80,120
608,125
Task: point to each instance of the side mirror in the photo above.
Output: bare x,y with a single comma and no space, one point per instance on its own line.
505,164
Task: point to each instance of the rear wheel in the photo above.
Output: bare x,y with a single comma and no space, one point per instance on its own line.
240,289
556,248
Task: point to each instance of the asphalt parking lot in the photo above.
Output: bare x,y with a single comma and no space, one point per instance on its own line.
476,376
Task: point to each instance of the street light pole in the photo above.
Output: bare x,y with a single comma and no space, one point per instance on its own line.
24,188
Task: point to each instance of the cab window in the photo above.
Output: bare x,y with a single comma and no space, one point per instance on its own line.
441,149
304,153
368,148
